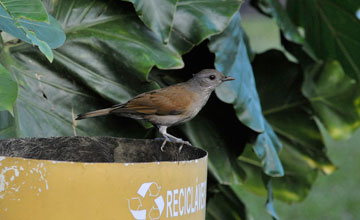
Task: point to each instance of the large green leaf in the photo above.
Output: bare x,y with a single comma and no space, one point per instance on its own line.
47,105
333,95
293,187
43,46
158,15
222,163
110,50
44,35
331,29
267,147
190,22
7,125
225,205
276,10
270,199
108,55
194,21
232,59
8,90
335,98
28,9
242,193
51,33
286,109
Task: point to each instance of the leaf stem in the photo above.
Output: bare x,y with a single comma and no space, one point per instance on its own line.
250,161
284,107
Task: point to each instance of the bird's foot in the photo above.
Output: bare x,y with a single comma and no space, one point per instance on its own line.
166,139
174,140
171,138
180,141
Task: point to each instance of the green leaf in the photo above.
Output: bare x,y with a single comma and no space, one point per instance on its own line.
225,205
300,175
158,15
190,22
28,9
194,21
334,97
222,164
252,205
8,90
327,87
331,29
293,187
112,53
49,101
270,200
267,147
47,105
43,46
52,33
45,36
117,28
7,125
232,59
107,57
276,10
287,110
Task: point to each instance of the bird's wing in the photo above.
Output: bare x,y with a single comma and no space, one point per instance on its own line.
172,100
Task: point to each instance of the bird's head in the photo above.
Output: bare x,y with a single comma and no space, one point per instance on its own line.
209,79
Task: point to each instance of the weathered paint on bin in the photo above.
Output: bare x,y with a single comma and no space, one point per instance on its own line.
50,190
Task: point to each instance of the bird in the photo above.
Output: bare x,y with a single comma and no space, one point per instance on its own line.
168,106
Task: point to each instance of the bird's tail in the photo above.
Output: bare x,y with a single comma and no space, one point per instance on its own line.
96,113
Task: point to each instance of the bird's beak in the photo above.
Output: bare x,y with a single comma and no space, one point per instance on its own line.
227,78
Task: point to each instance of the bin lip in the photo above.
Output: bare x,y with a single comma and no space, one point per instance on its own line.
98,150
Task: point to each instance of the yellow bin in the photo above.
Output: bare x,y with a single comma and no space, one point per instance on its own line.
106,178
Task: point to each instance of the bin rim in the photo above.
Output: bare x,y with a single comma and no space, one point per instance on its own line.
114,153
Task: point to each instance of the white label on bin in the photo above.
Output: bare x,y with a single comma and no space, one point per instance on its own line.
179,202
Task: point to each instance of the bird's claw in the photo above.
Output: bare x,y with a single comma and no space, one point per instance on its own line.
166,139
180,148
187,143
179,141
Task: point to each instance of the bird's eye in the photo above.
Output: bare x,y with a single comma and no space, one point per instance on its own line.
212,77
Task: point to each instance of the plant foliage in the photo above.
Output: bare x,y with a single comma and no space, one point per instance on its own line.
261,130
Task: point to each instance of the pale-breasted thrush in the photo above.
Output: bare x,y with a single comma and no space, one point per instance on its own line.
168,106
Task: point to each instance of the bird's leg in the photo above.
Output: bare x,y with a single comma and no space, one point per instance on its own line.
171,138
162,130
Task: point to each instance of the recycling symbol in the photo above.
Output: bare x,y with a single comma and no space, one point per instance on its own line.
147,191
